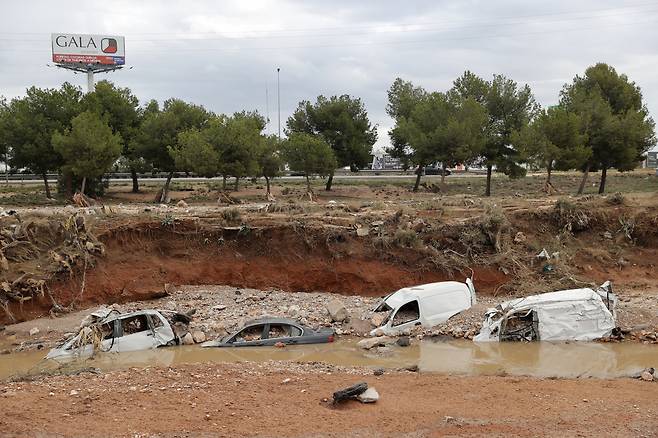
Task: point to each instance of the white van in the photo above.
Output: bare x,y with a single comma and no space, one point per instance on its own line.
425,305
566,315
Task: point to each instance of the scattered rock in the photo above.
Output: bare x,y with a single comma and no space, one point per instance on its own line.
520,237
378,372
646,376
34,331
280,345
181,204
337,311
378,319
287,380
412,368
363,231
403,341
370,395
379,341
607,235
188,339
199,336
73,392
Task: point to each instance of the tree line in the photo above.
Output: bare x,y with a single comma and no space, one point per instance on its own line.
599,123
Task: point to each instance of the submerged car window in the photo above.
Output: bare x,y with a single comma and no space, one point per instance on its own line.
134,324
253,333
283,331
107,330
407,313
156,321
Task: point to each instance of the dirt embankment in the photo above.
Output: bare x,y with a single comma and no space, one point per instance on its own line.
284,399
586,242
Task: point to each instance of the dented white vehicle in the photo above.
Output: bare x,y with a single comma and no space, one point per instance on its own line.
425,305
566,315
106,330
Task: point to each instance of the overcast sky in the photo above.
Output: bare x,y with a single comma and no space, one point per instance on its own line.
223,54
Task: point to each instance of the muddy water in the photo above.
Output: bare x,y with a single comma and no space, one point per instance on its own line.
456,357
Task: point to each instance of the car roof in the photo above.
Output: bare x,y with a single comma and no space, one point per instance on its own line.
267,320
407,294
570,295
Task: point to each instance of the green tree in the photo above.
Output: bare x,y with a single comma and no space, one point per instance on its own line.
510,108
121,110
403,97
31,122
553,140
269,161
310,154
238,143
194,153
342,121
614,119
89,148
159,131
4,142
443,129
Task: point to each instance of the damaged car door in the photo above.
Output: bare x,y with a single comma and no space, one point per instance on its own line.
136,332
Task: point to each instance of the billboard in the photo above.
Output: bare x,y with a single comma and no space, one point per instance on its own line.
88,49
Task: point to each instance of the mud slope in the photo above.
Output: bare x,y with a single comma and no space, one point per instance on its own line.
140,260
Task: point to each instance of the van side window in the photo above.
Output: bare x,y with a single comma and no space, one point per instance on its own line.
407,313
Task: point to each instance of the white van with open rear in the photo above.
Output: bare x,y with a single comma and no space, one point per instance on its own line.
425,305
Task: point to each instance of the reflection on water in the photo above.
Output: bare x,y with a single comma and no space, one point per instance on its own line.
577,359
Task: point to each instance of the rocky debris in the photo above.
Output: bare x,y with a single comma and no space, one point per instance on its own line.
646,376
520,237
34,331
188,339
379,341
182,204
378,319
198,336
337,311
378,372
370,395
403,341
362,231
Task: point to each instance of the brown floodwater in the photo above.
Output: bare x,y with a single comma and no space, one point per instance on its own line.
541,359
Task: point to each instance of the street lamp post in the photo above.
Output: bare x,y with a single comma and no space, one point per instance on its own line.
278,98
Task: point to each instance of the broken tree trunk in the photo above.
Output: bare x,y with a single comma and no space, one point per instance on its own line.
164,195
133,175
330,181
84,184
419,173
45,184
236,187
604,174
581,188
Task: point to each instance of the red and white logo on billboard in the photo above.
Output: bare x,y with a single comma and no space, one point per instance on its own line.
109,45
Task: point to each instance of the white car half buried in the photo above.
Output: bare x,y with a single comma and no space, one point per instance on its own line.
425,305
566,315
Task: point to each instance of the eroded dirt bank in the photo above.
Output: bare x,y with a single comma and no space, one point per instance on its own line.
253,400
366,253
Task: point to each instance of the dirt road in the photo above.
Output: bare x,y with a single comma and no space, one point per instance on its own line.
285,399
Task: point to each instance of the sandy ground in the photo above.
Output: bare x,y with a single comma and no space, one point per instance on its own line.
283,399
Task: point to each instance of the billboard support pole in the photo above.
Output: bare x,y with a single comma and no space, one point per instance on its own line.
91,70
90,81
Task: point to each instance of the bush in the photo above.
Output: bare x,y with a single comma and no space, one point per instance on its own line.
406,239
231,215
617,199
